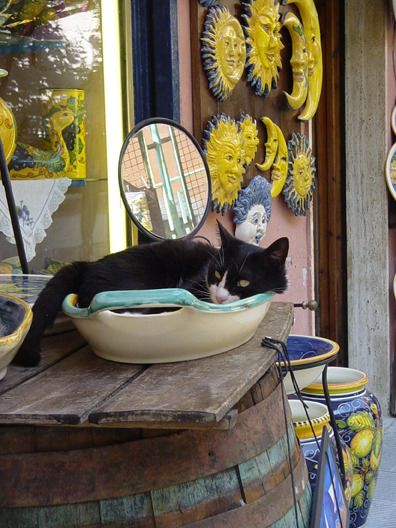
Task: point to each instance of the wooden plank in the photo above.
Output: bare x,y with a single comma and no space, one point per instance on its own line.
227,422
66,392
199,391
54,348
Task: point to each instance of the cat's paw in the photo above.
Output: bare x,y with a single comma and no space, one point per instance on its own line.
27,356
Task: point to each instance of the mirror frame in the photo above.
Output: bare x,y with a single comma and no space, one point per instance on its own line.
132,133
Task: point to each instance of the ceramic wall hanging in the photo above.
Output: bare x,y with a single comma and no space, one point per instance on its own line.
263,44
223,51
311,27
393,119
300,178
223,148
280,166
390,171
276,156
271,145
298,62
249,137
253,211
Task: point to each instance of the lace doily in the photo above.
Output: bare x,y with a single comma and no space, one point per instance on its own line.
36,201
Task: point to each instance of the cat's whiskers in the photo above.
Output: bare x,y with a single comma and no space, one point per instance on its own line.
242,265
201,293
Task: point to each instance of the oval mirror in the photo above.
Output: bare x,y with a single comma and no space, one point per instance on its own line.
164,179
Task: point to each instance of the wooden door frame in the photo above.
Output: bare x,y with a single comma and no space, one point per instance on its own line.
329,205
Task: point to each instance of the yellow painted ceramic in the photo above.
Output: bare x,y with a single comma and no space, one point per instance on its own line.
7,130
340,381
262,27
298,62
318,414
310,20
271,145
73,100
225,158
280,166
250,139
223,51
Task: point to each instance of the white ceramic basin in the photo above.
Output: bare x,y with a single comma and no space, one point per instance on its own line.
196,329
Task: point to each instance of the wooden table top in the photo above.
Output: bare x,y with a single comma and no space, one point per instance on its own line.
73,386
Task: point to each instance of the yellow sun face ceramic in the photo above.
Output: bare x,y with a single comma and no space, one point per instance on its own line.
311,27
223,51
249,137
263,39
225,158
300,179
298,62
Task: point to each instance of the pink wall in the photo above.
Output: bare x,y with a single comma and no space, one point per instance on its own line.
283,222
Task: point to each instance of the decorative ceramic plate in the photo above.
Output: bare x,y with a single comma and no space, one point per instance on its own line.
15,321
194,330
390,170
27,288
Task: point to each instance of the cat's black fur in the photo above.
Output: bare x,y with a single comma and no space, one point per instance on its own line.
186,264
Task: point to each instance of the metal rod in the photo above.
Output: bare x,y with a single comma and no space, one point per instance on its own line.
5,178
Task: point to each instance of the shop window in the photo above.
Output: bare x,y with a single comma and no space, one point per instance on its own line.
68,119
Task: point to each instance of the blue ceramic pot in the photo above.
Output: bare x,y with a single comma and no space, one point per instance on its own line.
358,416
310,436
308,357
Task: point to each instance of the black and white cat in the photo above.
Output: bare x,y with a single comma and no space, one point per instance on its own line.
234,271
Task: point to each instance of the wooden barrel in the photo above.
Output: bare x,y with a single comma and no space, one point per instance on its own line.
85,476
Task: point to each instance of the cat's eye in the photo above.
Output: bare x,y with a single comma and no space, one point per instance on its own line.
217,275
243,283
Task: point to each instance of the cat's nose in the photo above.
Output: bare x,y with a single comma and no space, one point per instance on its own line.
221,296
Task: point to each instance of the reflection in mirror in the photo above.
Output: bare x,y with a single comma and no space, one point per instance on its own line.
164,179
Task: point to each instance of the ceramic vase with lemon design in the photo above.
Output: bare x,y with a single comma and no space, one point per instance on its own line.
309,432
358,416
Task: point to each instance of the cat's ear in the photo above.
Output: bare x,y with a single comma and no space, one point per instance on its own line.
278,250
226,237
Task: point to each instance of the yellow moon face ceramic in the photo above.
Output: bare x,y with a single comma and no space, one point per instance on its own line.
271,145
300,179
223,51
280,166
225,158
310,20
263,39
298,62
